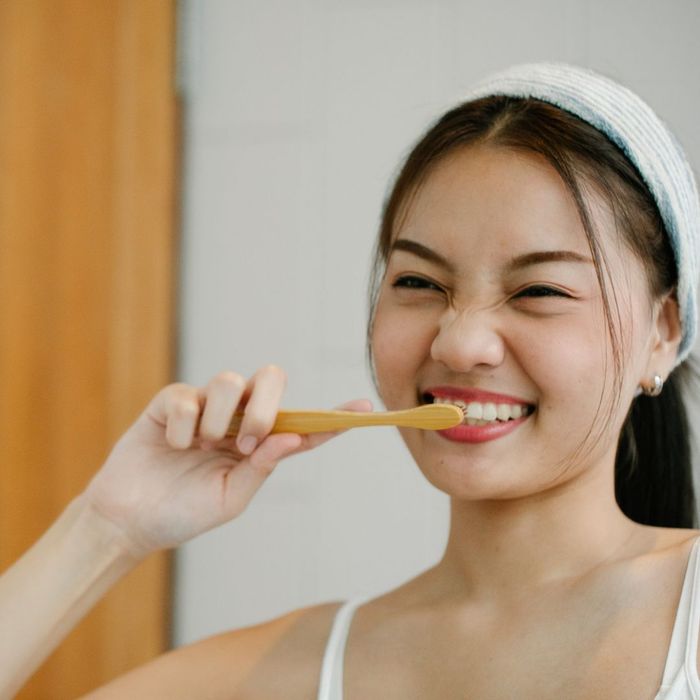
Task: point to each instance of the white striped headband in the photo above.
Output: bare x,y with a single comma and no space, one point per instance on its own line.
632,125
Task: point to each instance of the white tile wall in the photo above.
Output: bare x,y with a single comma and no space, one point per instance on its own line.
298,112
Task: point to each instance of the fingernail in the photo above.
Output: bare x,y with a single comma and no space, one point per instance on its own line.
247,444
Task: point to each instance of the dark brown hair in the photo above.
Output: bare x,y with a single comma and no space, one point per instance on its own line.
653,479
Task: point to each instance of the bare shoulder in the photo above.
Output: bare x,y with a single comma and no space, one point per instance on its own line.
676,536
280,657
694,535
676,544
660,546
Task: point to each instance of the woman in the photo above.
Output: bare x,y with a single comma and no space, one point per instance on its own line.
536,264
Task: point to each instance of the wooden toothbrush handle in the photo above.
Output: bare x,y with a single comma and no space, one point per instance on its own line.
304,422
429,417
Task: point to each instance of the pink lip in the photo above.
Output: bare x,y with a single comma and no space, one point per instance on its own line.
477,433
466,394
481,433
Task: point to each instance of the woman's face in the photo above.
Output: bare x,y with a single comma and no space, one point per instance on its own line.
490,287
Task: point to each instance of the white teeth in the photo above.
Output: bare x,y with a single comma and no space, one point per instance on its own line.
503,411
477,413
489,412
475,410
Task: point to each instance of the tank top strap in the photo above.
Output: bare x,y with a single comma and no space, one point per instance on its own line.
331,682
684,638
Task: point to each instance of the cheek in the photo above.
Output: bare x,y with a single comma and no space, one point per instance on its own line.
572,365
401,343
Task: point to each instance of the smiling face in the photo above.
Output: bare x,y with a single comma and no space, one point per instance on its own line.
490,285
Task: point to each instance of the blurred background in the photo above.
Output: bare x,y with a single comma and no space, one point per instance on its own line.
196,186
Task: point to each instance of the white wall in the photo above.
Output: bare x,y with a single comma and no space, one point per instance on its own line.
298,113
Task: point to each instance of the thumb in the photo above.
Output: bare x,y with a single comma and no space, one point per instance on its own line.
361,405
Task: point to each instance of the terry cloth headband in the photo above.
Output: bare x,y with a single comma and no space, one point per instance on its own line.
632,125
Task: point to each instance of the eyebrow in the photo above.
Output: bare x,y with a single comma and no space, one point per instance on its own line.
526,260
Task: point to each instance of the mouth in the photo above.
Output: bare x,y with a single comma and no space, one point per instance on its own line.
483,412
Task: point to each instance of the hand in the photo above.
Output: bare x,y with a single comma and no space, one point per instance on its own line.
174,475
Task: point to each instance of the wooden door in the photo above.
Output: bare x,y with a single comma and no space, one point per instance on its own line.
88,143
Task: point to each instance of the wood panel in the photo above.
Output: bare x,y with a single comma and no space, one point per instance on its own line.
88,143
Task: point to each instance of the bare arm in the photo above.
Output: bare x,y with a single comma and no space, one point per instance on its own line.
49,590
173,475
277,658
226,666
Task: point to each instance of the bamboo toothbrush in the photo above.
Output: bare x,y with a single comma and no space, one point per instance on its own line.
428,417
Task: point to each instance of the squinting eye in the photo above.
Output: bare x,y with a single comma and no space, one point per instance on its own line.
413,282
541,291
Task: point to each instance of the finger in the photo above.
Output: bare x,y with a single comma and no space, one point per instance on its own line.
222,396
248,476
266,389
308,441
363,405
177,408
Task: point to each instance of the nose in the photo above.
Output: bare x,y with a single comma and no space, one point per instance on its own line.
468,339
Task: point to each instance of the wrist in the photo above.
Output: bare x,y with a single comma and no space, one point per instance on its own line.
103,534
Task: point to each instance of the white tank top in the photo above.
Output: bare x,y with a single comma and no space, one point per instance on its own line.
680,680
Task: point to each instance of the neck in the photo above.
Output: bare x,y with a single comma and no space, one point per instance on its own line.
502,547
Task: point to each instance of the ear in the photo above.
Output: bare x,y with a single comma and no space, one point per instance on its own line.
667,337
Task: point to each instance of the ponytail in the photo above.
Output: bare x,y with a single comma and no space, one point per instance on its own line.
653,466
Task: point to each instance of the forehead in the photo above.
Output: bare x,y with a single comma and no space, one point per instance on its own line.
492,200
